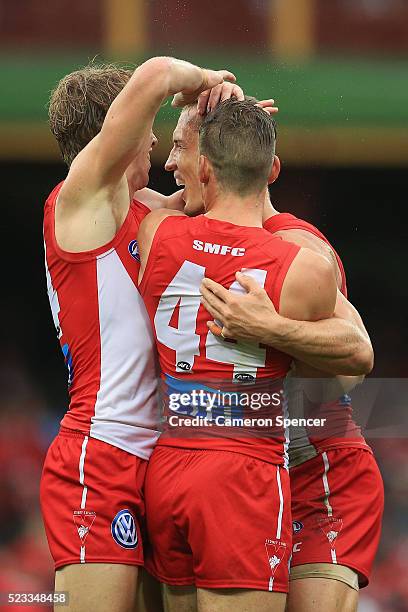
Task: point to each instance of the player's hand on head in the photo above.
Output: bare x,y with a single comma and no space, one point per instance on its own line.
209,98
241,316
210,78
268,106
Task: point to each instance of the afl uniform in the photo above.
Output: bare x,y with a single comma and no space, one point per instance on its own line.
217,489
91,487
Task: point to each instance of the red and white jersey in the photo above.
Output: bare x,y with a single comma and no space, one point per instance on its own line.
344,432
105,336
183,252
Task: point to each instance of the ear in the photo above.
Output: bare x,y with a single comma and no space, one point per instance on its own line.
275,170
203,169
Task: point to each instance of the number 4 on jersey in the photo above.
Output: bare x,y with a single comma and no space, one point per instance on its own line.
183,292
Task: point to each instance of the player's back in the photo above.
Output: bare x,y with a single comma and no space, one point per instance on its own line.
185,251
105,336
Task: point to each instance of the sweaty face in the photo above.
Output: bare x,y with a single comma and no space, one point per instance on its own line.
183,162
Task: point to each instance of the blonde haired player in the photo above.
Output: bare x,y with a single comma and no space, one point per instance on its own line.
91,488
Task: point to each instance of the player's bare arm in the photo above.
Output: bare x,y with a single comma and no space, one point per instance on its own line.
154,200
95,197
335,345
346,328
309,289
338,345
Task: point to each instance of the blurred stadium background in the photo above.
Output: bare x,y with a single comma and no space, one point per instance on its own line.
338,71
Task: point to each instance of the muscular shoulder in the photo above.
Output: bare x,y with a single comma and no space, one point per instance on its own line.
152,221
309,291
147,231
304,238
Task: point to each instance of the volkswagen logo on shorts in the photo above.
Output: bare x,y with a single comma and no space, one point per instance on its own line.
124,530
134,250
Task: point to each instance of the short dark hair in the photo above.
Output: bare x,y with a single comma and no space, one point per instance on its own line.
239,140
79,103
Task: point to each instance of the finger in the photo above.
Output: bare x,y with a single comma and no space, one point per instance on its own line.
211,300
215,288
269,109
235,92
227,76
248,283
215,95
263,103
218,331
214,328
203,101
212,310
211,78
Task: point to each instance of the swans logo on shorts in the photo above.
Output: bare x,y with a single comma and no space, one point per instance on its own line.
275,550
83,520
331,528
124,530
133,249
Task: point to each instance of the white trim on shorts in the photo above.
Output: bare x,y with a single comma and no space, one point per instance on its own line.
280,514
326,497
84,490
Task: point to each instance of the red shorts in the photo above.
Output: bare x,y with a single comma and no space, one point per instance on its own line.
217,519
92,501
337,507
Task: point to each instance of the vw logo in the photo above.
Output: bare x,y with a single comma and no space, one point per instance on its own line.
124,530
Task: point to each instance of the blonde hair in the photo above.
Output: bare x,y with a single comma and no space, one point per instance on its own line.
79,103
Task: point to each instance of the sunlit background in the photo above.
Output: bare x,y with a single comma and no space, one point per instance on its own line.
338,70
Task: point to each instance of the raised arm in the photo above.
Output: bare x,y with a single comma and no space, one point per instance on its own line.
129,120
95,197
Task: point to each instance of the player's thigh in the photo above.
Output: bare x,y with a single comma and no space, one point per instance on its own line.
321,595
179,598
101,587
149,593
239,600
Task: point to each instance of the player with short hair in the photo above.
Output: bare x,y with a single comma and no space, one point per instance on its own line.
218,499
92,484
337,490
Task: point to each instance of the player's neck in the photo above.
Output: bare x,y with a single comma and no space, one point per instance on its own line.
269,210
234,209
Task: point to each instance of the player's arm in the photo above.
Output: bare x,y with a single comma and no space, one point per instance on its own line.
154,200
99,168
309,290
346,331
146,233
292,307
338,345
